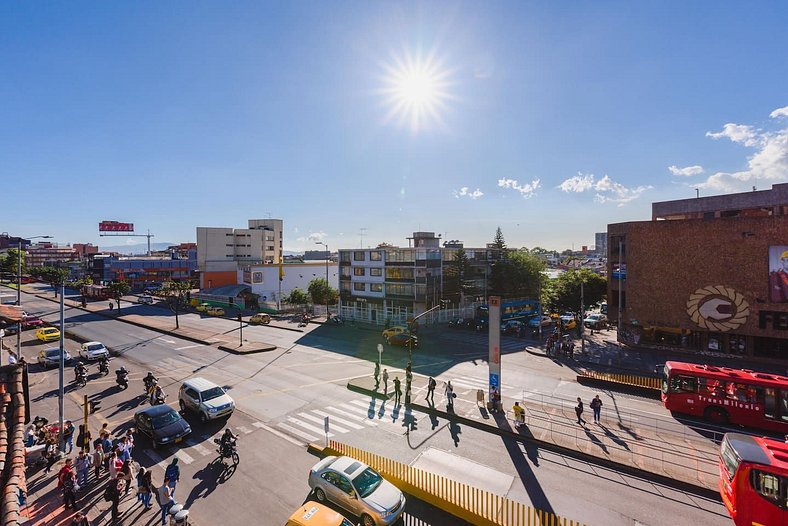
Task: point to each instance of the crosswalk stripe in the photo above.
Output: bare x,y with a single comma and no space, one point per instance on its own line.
260,425
341,420
353,410
184,457
317,420
244,430
295,431
156,458
310,427
202,450
278,433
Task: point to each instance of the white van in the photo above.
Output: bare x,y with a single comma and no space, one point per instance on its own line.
203,397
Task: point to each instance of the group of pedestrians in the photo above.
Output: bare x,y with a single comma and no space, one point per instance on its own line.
112,458
557,346
596,407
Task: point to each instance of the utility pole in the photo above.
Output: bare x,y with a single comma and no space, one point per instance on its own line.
582,317
61,371
618,321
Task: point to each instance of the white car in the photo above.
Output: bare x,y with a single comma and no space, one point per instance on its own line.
145,299
93,351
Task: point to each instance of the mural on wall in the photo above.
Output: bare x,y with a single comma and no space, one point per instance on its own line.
718,308
778,274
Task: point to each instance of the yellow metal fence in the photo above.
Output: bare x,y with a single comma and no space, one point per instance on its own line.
625,379
472,504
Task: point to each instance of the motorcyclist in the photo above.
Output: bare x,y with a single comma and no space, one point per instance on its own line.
227,442
80,371
104,364
158,396
149,382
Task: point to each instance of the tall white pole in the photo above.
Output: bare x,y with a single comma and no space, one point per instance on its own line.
618,321
19,297
582,317
61,387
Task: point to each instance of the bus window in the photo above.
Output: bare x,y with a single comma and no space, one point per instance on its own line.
769,403
729,459
784,405
683,384
767,484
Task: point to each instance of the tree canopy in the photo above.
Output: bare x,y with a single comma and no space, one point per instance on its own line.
118,289
176,295
321,292
9,264
519,275
563,293
297,297
458,277
498,241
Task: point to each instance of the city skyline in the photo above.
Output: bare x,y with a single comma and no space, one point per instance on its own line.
454,118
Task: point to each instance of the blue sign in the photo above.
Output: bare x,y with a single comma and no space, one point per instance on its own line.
494,379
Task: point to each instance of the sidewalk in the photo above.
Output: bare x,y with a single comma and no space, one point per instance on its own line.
625,446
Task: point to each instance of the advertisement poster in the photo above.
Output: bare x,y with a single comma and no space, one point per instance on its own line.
778,274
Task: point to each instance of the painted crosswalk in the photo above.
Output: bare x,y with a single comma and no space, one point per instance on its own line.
467,382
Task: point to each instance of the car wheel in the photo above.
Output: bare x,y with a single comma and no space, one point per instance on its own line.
366,520
320,495
182,406
203,418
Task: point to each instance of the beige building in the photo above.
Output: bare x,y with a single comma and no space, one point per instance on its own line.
221,250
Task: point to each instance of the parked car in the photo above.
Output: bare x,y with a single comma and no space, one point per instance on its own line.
511,326
260,319
316,514
568,321
48,334
145,299
51,357
202,307
162,424
596,321
403,339
358,488
545,321
203,397
31,322
93,351
397,329
214,311
10,330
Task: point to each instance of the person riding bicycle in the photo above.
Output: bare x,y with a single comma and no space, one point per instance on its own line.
227,442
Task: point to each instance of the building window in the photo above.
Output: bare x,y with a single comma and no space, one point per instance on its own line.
397,289
359,286
399,273
344,287
344,256
358,255
376,272
344,272
376,287
375,255
358,271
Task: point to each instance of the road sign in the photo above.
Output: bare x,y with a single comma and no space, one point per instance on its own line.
494,379
325,424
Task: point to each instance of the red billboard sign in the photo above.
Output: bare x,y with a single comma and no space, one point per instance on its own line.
115,226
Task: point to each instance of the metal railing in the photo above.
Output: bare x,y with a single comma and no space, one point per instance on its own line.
633,380
472,504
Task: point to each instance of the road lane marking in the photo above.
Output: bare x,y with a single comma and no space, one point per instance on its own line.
244,430
156,458
199,448
354,411
318,420
172,342
340,420
309,427
296,431
278,433
183,456
187,347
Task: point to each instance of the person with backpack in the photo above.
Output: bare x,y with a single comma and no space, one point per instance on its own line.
70,487
173,474
596,406
431,383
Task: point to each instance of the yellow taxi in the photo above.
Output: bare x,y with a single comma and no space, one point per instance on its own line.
202,307
260,319
316,514
214,311
391,331
48,334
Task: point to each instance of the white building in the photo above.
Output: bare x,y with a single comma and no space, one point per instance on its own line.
264,279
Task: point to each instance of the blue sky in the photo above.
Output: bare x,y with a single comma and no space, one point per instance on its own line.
551,119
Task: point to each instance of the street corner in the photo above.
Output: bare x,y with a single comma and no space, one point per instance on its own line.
367,385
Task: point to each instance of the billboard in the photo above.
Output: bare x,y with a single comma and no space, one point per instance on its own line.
778,274
115,226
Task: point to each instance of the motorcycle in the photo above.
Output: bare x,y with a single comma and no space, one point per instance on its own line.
103,367
230,451
122,378
159,399
81,378
336,320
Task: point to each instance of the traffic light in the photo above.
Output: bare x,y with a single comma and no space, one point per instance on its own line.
444,304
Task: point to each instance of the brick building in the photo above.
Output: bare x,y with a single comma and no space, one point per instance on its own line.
705,275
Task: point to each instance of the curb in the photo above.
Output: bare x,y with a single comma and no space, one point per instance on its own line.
579,455
233,350
374,394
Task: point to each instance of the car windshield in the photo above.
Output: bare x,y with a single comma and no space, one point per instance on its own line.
165,419
53,352
95,347
213,392
367,482
50,331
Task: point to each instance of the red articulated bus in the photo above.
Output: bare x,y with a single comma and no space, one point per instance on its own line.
754,480
722,395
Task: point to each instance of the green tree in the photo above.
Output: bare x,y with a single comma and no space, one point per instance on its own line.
519,275
176,296
118,289
9,264
55,276
563,293
297,297
498,241
322,293
457,277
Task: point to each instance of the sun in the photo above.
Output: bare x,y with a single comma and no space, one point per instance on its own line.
416,91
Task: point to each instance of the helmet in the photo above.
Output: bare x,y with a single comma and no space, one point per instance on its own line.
784,255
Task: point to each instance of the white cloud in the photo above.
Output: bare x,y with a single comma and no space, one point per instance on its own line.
607,190
779,112
313,237
578,183
769,162
740,133
687,171
464,192
526,190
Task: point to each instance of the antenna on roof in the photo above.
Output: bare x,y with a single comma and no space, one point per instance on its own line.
361,235
697,193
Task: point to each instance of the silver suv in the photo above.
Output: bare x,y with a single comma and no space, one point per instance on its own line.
203,397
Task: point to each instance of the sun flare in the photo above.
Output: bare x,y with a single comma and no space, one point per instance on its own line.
416,91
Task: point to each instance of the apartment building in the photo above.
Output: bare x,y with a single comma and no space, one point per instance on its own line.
221,250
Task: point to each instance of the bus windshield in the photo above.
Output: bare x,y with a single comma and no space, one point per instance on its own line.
665,373
729,458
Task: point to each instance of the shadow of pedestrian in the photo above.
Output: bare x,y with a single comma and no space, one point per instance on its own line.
594,439
615,438
209,478
382,410
371,410
434,421
454,430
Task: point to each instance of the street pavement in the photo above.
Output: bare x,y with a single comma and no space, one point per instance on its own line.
284,394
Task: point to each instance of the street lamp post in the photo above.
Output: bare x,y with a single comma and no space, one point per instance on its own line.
19,290
328,255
